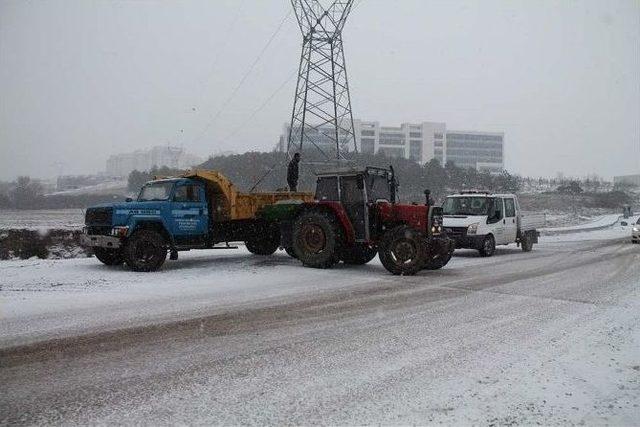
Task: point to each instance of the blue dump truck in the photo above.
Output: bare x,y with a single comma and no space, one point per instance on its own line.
195,211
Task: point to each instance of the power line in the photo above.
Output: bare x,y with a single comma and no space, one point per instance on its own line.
223,45
262,106
242,80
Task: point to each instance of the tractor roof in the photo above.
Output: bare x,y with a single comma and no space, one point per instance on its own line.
350,171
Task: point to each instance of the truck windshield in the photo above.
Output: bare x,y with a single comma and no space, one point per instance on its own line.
155,191
465,206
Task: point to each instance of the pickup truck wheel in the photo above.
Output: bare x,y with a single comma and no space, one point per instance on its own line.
526,244
146,250
109,256
264,244
488,246
402,251
316,239
438,261
358,254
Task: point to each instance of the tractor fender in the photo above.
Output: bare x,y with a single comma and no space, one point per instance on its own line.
340,213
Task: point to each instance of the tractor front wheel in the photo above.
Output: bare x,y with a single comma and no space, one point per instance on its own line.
316,239
402,251
358,254
438,261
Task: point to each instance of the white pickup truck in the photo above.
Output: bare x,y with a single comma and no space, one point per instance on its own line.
478,220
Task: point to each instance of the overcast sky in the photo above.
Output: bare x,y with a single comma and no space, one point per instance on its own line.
80,80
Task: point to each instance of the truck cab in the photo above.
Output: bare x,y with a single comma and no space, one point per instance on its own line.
482,220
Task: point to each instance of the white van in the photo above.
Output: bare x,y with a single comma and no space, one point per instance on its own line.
479,220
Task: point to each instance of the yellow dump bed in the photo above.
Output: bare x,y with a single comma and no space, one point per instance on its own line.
227,203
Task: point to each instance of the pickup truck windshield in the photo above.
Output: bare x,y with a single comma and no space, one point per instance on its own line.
465,206
155,191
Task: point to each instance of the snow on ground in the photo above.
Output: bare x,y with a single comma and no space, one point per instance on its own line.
596,223
111,187
605,228
42,298
44,219
48,298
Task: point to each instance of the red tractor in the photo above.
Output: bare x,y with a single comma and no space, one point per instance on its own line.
354,217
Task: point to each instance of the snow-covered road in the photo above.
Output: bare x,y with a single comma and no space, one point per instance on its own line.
549,336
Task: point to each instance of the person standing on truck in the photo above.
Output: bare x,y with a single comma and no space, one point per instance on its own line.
292,173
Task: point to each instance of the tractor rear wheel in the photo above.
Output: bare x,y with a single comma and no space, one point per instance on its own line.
358,254
402,251
316,239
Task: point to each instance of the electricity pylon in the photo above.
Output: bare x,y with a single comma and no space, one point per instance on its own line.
322,116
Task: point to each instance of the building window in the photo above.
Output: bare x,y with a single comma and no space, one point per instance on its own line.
392,152
367,145
368,133
415,134
437,135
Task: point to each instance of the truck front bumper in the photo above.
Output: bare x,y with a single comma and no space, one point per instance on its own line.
468,242
100,241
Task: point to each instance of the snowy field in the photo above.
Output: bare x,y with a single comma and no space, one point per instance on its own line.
44,219
224,337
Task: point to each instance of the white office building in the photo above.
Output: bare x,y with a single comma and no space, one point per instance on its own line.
483,151
121,165
420,142
423,142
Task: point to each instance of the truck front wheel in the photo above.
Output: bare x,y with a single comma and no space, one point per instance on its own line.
316,239
145,250
488,246
109,256
402,251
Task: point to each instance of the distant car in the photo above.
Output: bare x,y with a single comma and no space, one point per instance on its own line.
635,232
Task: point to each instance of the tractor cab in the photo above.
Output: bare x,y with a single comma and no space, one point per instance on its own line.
356,190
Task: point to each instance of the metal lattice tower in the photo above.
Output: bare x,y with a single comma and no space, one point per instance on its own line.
322,115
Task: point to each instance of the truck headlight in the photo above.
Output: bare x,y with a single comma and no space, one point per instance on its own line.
120,231
636,228
472,228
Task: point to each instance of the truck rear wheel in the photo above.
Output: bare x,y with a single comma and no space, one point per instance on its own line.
146,250
265,244
109,256
402,251
488,246
358,254
526,243
316,239
289,250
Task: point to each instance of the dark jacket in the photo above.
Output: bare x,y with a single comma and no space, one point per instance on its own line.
292,172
